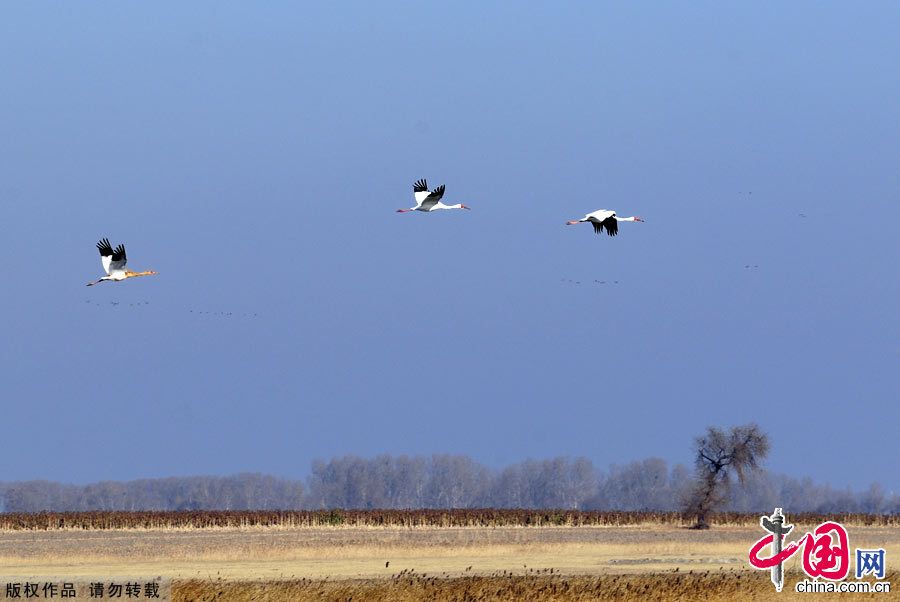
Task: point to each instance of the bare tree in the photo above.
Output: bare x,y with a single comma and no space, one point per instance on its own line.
640,485
456,482
719,454
557,483
873,500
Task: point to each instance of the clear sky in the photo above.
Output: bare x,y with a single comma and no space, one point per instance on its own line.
254,155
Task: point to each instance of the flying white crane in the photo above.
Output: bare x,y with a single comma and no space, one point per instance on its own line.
114,263
604,218
429,201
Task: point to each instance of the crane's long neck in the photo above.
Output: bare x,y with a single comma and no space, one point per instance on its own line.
627,219
440,205
130,274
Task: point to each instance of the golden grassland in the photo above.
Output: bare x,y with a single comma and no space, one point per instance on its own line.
372,561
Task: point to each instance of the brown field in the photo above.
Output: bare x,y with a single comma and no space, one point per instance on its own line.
285,561
480,517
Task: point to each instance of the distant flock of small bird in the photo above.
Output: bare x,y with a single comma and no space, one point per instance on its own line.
114,260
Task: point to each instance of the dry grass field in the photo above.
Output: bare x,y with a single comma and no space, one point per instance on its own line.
284,562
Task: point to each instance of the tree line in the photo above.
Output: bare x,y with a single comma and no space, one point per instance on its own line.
450,481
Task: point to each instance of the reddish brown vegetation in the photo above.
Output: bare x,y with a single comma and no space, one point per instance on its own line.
713,586
397,518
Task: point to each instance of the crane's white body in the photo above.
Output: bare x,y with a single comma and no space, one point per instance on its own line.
598,216
115,270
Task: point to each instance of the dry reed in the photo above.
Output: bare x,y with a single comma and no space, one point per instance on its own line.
398,518
407,587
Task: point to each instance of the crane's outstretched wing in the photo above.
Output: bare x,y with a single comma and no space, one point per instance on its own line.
603,218
420,191
432,199
610,223
112,260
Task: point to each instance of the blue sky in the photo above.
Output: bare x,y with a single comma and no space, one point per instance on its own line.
254,155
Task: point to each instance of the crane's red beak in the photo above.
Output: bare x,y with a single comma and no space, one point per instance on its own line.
464,206
638,219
